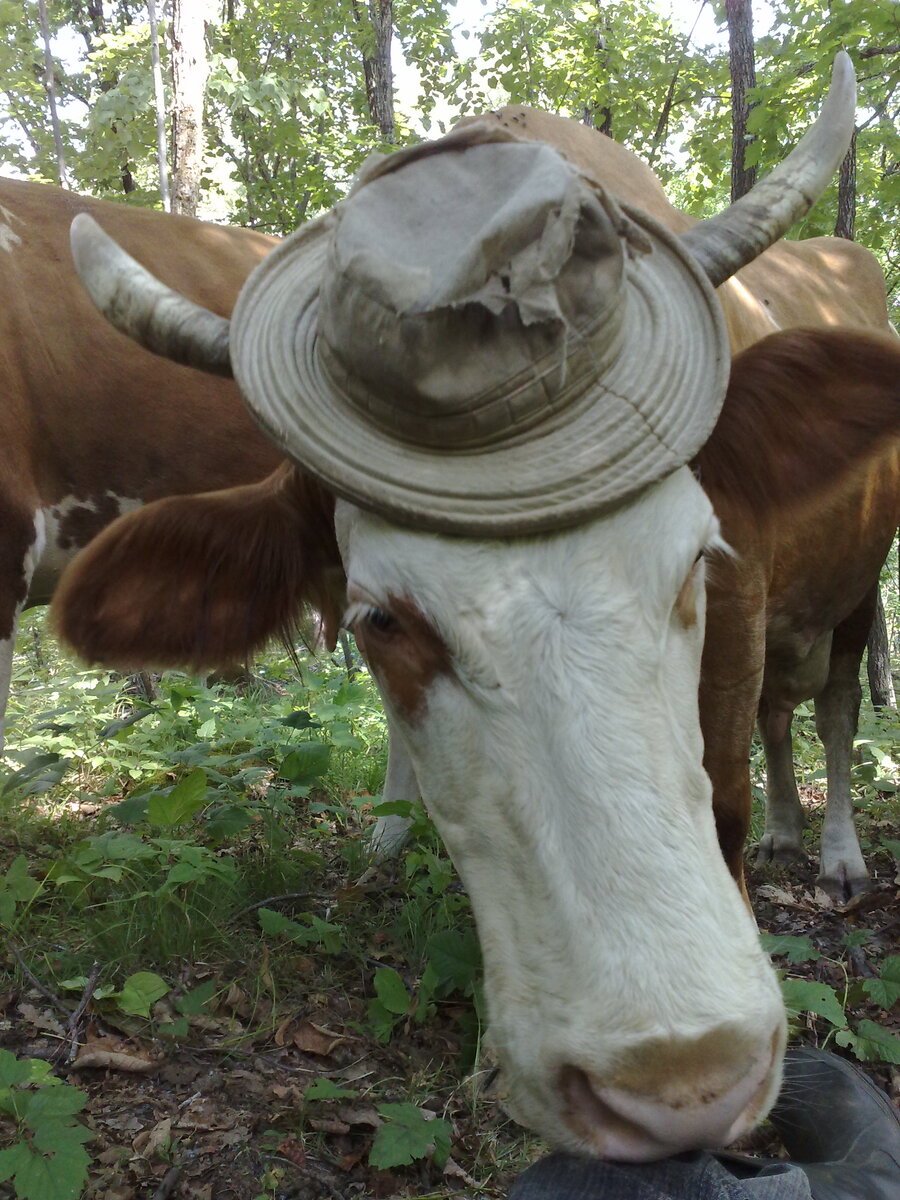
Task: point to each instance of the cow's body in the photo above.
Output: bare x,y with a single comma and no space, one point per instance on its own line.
809,586
89,425
545,691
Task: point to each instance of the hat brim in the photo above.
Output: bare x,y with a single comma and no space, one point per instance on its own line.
648,414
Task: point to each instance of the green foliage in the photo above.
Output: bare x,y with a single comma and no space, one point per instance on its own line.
866,1040
408,1135
310,930
47,1159
795,949
16,887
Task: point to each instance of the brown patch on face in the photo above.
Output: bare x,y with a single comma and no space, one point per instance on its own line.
686,602
405,653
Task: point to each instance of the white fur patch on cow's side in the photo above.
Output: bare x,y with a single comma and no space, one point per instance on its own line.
60,547
9,239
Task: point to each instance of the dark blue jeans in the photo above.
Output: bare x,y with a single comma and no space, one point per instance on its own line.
694,1176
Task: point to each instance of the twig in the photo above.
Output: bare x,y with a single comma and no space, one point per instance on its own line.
35,982
75,1019
167,1187
272,900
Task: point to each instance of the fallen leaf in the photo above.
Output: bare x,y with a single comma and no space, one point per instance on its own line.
291,1149
154,1140
315,1039
114,1055
328,1125
454,1171
41,1019
360,1115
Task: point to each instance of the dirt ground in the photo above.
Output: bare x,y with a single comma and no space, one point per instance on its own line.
222,1115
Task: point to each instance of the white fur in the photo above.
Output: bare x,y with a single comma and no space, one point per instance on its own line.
561,759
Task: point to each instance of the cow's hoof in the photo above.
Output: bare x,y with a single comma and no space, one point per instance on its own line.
779,848
843,881
388,836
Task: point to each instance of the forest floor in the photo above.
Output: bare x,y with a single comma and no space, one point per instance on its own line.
311,1038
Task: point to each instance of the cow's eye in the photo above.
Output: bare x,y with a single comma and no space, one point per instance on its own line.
379,621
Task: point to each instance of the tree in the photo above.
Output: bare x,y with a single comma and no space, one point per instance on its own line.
742,66
189,75
878,661
159,97
50,85
377,63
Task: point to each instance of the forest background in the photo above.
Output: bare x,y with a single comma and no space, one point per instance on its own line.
263,1013
259,113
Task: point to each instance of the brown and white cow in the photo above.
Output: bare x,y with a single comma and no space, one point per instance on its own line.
547,686
90,426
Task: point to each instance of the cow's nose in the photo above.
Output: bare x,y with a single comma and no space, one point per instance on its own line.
634,1126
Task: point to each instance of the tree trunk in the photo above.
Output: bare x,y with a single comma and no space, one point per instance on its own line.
50,86
160,98
845,226
377,68
189,74
743,77
878,661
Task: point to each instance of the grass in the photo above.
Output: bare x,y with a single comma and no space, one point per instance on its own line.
206,849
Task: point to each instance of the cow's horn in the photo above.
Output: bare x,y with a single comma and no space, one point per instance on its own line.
728,241
143,308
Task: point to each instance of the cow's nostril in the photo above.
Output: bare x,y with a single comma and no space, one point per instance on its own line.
617,1123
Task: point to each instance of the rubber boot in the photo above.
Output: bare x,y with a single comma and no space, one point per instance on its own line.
838,1127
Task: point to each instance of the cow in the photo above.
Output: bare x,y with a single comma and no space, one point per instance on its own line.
89,426
497,370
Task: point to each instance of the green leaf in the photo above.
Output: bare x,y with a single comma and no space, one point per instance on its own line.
54,1102
391,991
408,1135
18,1070
184,800
324,1089
803,995
130,811
456,958
381,1021
139,991
885,990
870,1043
300,719
194,1002
892,845
306,763
795,949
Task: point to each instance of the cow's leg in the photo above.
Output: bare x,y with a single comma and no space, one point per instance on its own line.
842,869
21,545
400,783
782,840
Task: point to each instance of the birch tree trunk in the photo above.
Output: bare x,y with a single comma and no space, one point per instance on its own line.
379,74
50,86
160,98
189,73
878,661
742,64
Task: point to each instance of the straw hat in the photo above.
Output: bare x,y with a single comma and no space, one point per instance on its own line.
479,340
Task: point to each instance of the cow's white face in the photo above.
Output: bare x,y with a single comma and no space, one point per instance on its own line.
546,690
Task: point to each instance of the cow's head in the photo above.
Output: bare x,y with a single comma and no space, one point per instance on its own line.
503,375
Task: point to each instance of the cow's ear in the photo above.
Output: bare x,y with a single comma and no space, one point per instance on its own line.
205,580
804,409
